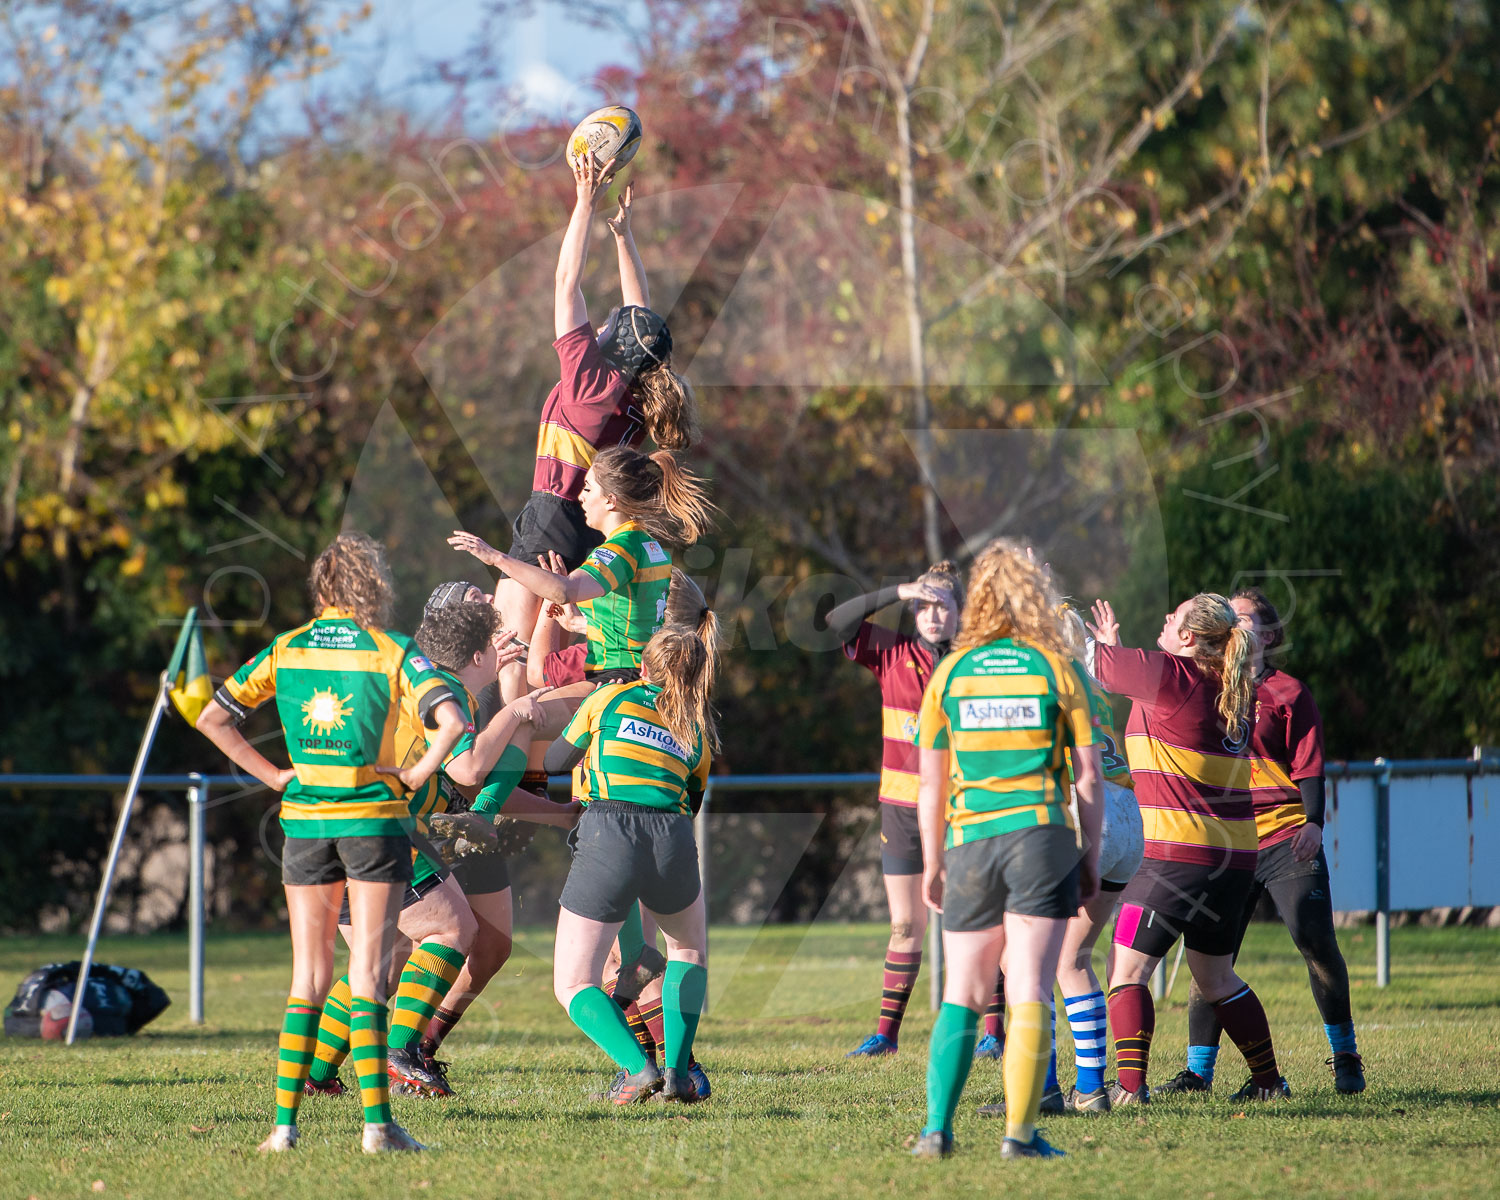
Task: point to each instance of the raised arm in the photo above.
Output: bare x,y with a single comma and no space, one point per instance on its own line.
569,310
560,589
633,286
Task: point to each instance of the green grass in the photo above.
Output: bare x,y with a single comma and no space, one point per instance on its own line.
177,1110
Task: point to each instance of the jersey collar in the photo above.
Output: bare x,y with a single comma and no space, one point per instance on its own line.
333,613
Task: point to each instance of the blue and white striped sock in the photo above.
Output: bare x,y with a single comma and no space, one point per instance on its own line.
1088,1019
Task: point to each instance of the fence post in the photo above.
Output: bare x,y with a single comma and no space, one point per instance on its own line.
197,798
1383,873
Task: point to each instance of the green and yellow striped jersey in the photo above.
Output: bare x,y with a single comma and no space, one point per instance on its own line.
1005,712
631,755
339,689
634,572
1116,767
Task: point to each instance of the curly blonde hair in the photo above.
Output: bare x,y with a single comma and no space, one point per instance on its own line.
352,574
1224,650
1010,596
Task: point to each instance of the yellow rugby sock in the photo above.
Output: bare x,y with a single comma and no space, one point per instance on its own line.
425,980
299,1034
1028,1049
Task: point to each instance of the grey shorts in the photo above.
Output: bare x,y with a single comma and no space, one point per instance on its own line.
1031,872
623,853
306,861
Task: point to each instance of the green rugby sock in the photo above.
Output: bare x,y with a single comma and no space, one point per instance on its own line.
682,993
601,1019
632,935
299,1034
949,1056
367,1033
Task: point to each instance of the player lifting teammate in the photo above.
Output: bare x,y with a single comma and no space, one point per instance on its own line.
1188,742
617,387
1287,790
1001,858
338,682
903,665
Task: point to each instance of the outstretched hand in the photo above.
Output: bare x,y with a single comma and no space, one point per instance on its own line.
1105,629
589,178
619,224
476,546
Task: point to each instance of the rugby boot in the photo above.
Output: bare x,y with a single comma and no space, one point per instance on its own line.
989,1046
1088,1103
632,1089
678,1086
1185,1081
1253,1091
1121,1096
1038,1147
283,1137
936,1144
1348,1072
388,1138
411,1077
326,1087
873,1047
1053,1105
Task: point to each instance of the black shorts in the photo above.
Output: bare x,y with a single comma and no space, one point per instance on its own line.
625,852
612,675
306,861
1031,872
900,841
413,895
1275,864
548,522
1205,906
481,874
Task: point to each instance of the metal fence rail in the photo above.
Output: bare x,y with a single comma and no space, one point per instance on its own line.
199,792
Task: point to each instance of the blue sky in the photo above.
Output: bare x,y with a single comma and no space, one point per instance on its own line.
547,57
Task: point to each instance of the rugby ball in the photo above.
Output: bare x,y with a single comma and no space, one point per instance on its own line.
608,133
56,1009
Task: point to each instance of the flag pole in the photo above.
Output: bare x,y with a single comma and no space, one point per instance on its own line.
114,850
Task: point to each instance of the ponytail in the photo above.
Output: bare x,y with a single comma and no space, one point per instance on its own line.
669,406
665,498
677,662
1223,649
688,609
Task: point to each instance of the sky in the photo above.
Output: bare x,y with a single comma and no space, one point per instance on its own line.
546,57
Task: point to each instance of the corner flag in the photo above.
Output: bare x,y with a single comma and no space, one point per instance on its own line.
187,674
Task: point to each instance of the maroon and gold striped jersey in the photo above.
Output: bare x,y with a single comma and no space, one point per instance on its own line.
1192,777
588,409
1285,746
903,668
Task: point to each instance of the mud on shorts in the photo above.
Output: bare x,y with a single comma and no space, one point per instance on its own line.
1122,842
1031,872
315,860
1203,905
900,840
625,852
548,522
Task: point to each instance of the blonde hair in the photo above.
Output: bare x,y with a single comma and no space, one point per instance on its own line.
944,574
352,574
1076,632
687,608
1010,596
666,499
676,661
668,404
1224,650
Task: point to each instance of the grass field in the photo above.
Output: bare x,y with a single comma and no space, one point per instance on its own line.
177,1110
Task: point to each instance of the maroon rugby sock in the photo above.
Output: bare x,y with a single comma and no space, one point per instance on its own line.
1132,1017
895,990
655,1023
1244,1020
994,1015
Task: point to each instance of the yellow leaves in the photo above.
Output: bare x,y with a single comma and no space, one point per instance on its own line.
1150,177
135,564
1223,158
59,290
1325,109
1379,105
